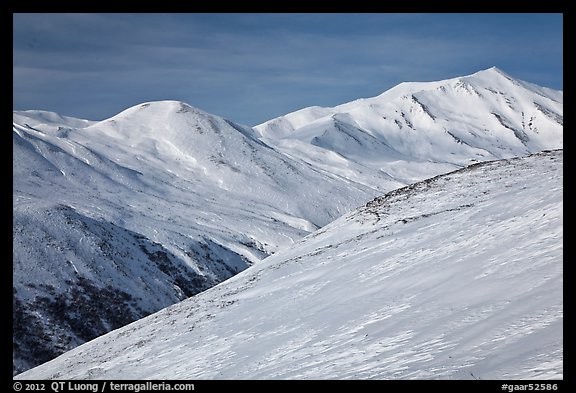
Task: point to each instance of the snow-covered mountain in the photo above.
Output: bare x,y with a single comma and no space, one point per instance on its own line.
420,129
114,220
455,277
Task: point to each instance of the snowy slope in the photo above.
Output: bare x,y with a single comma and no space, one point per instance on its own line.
455,277
163,200
141,210
420,129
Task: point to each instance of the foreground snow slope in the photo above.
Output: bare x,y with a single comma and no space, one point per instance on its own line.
455,277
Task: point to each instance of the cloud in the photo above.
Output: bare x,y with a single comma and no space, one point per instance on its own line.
221,62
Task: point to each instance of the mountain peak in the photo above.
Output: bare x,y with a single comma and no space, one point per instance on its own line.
491,71
169,120
483,116
157,108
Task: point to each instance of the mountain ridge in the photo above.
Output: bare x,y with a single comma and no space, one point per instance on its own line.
193,198
434,126
190,197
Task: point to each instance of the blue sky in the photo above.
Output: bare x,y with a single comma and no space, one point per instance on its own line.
250,68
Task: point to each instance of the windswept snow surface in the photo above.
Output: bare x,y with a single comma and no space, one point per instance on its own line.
455,277
417,130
